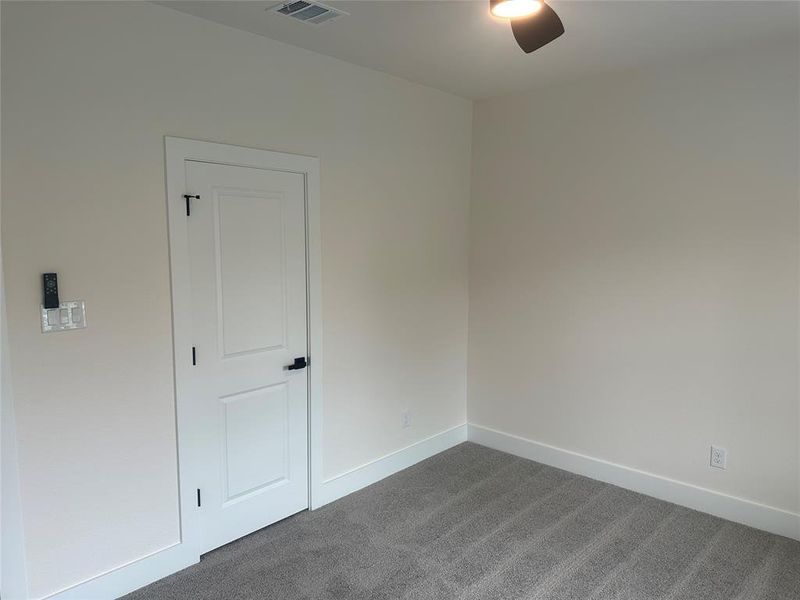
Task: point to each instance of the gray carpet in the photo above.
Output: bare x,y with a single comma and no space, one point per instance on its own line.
475,523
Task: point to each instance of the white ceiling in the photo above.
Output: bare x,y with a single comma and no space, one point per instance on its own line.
456,46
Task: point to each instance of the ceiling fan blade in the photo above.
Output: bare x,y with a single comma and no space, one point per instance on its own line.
539,29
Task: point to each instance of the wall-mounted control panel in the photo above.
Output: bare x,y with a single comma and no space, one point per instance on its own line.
57,315
68,315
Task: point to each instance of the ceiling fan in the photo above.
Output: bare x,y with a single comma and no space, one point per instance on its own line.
533,22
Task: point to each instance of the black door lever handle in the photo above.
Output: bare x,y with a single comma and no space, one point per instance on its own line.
299,363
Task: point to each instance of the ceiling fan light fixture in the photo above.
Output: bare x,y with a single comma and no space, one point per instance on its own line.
513,9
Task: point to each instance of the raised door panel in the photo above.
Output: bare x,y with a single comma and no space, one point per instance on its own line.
251,271
255,440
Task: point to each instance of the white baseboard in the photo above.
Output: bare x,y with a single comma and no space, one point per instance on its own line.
372,472
136,574
131,576
760,516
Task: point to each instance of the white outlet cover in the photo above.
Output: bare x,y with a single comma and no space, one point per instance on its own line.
719,457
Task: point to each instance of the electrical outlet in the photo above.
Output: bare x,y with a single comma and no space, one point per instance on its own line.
405,419
719,457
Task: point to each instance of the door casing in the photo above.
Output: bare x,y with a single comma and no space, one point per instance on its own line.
177,151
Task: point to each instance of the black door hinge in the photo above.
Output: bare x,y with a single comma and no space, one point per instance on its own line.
198,497
194,356
188,199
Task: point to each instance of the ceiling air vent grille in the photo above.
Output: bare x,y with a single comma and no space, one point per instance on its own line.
308,11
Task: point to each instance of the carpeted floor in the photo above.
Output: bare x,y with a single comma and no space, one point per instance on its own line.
475,523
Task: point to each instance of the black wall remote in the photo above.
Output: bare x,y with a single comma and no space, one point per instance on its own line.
50,285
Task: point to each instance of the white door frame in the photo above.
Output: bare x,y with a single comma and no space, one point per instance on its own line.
178,150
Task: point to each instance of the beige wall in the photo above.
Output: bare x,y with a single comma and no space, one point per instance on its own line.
634,269
89,91
12,550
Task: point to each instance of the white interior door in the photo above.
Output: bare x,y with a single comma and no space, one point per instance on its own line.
247,253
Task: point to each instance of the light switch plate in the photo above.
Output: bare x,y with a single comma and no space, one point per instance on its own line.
69,315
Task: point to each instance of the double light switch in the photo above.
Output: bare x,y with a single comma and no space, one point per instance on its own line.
57,315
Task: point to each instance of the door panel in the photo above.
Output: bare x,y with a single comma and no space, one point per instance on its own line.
253,292
246,237
256,439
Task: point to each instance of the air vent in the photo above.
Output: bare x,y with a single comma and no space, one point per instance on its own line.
308,11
